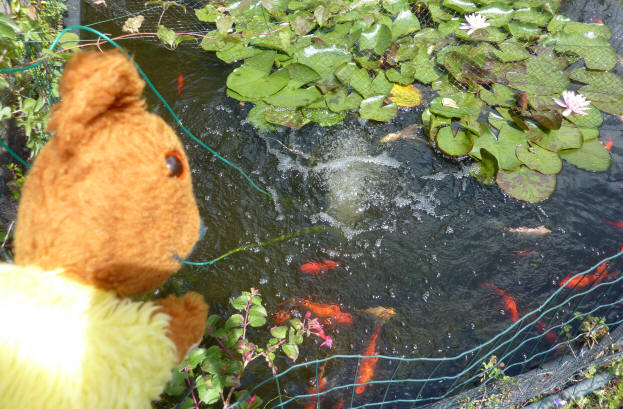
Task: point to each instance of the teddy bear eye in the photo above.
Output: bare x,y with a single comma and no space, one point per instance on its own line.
176,165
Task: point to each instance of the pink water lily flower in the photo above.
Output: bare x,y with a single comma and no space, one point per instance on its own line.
475,21
573,102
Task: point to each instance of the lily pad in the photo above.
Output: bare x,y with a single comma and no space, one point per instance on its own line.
405,22
524,31
339,101
500,95
557,23
502,147
458,144
462,6
406,96
592,119
511,51
597,53
539,159
555,140
323,117
395,6
532,15
377,38
456,105
526,184
540,78
290,118
252,83
497,14
256,117
575,27
592,156
358,78
323,59
373,108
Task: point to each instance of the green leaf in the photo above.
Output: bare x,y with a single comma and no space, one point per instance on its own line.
279,332
377,37
526,184
338,100
323,117
532,15
574,27
511,51
539,159
567,137
177,385
233,336
251,79
524,31
597,53
502,147
323,59
232,49
487,168
167,36
454,145
256,117
405,22
456,105
69,40
212,361
8,28
592,119
497,14
290,118
291,351
224,23
240,303
462,6
592,156
209,13
213,41
358,78
501,95
380,85
210,391
236,320
541,78
395,6
373,108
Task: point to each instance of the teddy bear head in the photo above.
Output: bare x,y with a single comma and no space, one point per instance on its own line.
109,198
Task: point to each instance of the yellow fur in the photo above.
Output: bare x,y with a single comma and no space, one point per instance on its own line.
68,345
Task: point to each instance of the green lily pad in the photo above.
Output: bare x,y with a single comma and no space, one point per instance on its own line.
532,15
592,119
437,12
487,168
358,78
555,140
597,53
526,184
606,81
247,81
502,147
501,95
496,120
462,6
256,117
234,50
293,97
323,117
524,31
425,68
373,108
497,14
456,105
588,134
511,51
454,145
339,101
380,84
575,27
377,38
290,118
557,23
539,159
492,34
592,156
540,78
405,22
323,59
395,6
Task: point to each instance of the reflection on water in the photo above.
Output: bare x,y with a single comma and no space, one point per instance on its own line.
413,231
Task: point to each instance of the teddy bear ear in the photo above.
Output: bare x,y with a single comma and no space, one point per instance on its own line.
92,84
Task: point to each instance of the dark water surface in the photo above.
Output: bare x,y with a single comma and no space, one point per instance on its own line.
414,232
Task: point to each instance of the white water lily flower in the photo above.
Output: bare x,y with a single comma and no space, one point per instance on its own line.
573,102
475,21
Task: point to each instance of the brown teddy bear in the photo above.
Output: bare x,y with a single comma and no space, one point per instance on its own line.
107,212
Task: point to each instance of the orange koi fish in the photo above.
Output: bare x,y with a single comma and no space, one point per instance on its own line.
618,224
180,84
608,143
331,312
585,280
524,253
367,366
318,267
543,328
322,385
281,317
510,305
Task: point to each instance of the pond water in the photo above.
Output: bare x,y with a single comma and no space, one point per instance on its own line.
411,230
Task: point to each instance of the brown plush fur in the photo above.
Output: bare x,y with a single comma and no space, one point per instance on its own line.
99,200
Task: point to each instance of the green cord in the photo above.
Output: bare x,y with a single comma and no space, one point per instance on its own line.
167,106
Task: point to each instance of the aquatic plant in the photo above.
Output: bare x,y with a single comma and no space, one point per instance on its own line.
506,61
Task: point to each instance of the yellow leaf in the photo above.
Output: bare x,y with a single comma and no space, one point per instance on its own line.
406,96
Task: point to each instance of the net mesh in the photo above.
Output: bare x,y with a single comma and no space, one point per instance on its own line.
546,349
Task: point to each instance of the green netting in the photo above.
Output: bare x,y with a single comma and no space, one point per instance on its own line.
549,337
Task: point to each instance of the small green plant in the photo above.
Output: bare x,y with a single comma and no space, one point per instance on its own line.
593,329
15,185
216,371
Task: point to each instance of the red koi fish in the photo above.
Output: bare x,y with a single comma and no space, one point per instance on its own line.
598,20
331,312
322,385
281,317
510,305
549,335
318,267
180,84
524,253
608,143
367,366
618,224
585,280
